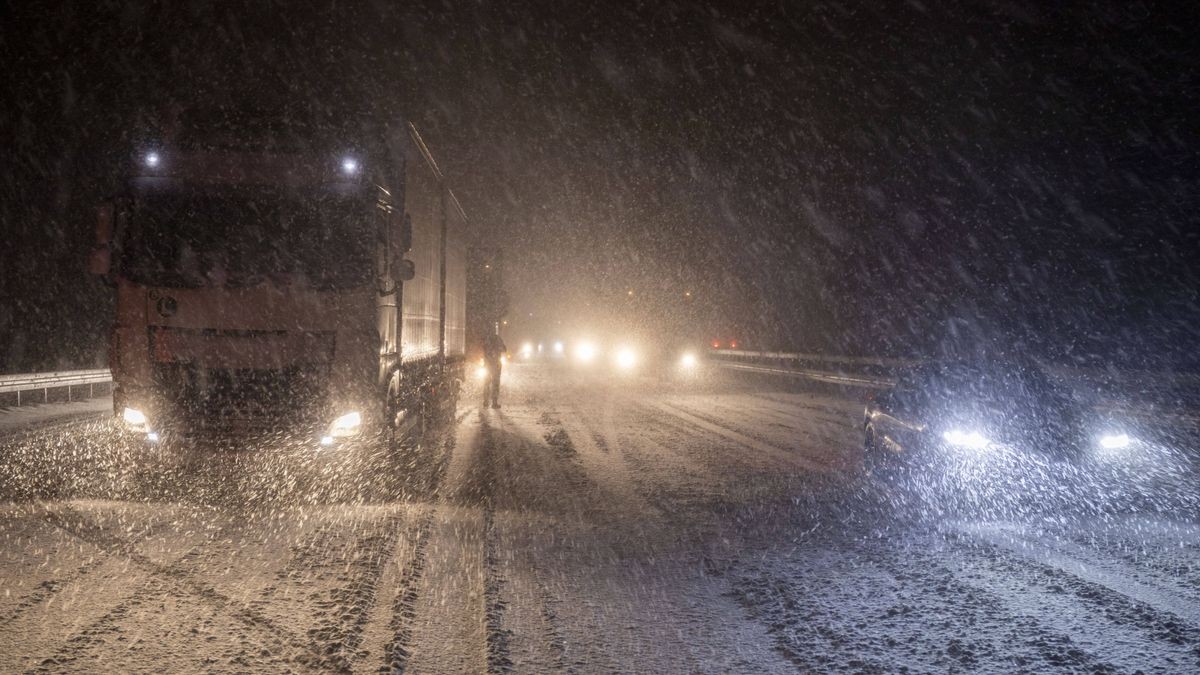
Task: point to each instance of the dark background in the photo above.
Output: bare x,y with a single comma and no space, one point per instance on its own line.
908,179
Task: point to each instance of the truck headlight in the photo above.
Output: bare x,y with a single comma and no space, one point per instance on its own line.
135,420
346,425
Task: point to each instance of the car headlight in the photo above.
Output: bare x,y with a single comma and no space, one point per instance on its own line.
135,420
1115,441
688,360
481,372
966,439
346,425
585,352
626,359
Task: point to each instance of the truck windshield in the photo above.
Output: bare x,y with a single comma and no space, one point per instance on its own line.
244,237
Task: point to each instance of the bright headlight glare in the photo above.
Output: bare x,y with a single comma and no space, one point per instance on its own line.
688,360
965,439
585,352
1115,441
135,419
626,358
346,425
481,372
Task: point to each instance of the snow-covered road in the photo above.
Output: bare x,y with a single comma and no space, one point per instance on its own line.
591,525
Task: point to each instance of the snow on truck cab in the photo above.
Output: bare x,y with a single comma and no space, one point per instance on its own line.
284,285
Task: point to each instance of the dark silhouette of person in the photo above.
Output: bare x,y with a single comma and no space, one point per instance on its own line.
493,351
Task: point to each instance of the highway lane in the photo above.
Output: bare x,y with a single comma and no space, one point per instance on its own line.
592,524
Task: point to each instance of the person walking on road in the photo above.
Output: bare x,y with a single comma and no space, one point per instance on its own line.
493,358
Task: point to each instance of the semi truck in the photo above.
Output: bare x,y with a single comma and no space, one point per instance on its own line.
283,275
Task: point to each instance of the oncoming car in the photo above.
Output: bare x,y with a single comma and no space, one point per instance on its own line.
944,415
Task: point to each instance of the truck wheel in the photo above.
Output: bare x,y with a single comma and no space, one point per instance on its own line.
877,462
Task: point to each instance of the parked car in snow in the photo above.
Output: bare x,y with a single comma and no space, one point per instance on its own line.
945,414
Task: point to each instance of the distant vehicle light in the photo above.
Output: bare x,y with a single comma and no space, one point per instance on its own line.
346,425
526,349
733,344
585,352
716,344
1115,441
626,359
966,439
558,347
152,159
539,348
349,166
688,360
481,372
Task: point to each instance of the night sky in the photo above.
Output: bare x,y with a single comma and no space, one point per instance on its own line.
836,177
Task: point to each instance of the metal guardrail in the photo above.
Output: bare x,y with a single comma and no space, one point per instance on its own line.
22,383
800,356
1108,391
871,367
873,373
820,376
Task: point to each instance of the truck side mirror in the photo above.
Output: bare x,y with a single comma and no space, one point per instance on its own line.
404,243
104,224
405,270
100,260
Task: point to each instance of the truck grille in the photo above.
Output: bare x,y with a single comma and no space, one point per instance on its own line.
203,377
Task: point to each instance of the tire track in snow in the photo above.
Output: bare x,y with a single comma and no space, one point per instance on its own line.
399,648
1112,630
599,453
555,471
50,587
447,618
1162,597
404,613
497,636
803,420
744,422
77,647
722,430
177,579
362,565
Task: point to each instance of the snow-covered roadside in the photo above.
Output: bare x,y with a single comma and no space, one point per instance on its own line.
18,418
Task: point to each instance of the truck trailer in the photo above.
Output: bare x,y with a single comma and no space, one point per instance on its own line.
285,276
